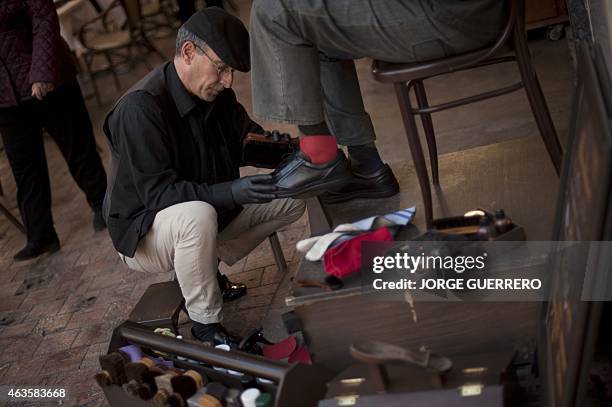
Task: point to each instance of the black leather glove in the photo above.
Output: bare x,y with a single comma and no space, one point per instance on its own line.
253,189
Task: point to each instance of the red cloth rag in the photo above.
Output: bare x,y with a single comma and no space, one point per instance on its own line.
345,259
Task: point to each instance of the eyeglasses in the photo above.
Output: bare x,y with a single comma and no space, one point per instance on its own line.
221,68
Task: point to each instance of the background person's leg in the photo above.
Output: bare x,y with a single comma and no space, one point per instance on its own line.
254,224
65,117
183,238
25,150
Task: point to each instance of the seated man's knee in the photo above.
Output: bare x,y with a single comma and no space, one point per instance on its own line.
197,216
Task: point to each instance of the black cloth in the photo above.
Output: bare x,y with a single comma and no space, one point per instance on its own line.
62,113
168,147
225,34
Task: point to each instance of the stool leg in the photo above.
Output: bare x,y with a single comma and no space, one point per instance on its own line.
277,250
416,150
536,99
430,135
318,218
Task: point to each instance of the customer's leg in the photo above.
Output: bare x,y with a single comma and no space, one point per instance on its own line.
254,224
286,37
23,143
298,77
343,103
285,68
183,238
66,118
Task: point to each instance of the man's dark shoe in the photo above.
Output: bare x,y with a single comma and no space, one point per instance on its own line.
379,184
214,334
299,178
230,291
98,220
35,249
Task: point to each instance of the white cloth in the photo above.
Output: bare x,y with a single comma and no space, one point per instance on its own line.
315,247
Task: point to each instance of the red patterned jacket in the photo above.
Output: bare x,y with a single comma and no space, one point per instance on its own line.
31,49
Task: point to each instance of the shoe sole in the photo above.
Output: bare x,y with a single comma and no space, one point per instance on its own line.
387,193
312,190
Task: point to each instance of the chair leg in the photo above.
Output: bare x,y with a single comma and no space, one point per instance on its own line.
430,135
152,47
537,100
12,219
416,150
145,59
88,61
110,66
277,250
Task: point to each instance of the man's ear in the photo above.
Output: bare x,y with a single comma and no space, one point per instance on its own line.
188,51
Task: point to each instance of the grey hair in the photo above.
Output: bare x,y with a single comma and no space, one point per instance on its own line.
184,35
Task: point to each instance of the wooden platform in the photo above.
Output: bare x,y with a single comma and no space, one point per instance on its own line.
515,175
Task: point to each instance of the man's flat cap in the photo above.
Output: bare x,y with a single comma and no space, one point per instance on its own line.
224,34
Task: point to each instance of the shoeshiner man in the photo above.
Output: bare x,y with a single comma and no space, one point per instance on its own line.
304,74
175,200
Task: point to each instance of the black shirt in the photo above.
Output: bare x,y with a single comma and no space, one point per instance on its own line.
168,147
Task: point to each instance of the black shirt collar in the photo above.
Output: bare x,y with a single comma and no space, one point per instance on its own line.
184,100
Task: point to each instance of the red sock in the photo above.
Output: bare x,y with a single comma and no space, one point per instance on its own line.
319,149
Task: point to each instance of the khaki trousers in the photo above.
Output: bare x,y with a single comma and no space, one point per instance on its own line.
184,240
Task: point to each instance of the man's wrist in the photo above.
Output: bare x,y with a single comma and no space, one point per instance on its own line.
223,195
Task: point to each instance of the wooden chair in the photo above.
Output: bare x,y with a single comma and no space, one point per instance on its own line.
510,46
115,44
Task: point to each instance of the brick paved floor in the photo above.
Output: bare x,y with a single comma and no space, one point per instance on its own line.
57,312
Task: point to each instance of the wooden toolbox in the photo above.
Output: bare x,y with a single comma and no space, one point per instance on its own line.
290,384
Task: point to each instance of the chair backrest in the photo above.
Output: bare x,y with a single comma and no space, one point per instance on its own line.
133,12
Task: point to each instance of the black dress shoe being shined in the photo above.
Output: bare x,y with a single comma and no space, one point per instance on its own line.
229,290
299,178
34,249
379,184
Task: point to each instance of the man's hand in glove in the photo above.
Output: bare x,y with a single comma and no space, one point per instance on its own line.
254,189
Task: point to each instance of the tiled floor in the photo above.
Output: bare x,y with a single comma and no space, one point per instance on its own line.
57,312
